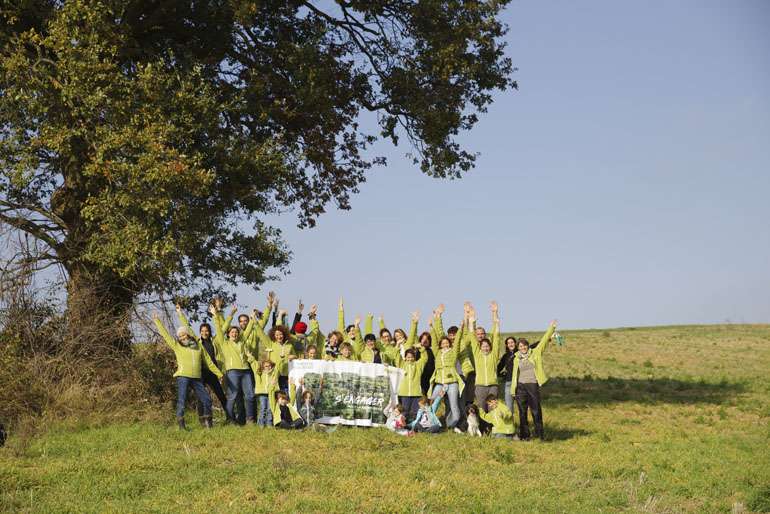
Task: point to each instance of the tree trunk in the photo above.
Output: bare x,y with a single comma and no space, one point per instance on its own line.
98,311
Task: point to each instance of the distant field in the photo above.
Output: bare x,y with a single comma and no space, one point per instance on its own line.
663,419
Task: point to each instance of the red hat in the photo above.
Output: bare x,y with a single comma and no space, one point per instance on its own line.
300,327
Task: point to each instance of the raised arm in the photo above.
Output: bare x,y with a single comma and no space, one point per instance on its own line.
544,340
382,322
211,365
412,337
315,335
341,316
249,330
261,337
185,322
297,315
496,342
170,341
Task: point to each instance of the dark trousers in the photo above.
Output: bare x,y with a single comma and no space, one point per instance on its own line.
431,430
411,405
528,397
293,425
283,384
211,380
182,384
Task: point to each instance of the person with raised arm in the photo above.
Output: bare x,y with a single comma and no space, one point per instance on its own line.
426,419
232,345
285,413
410,389
209,378
265,386
486,355
314,341
497,415
387,343
278,348
529,375
446,381
190,358
371,350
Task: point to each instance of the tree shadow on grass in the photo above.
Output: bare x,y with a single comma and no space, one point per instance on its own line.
592,390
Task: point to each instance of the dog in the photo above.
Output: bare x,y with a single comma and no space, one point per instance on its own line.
472,416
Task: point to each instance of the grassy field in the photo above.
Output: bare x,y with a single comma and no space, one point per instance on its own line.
664,419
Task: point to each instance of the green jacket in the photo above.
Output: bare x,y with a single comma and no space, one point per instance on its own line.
315,338
500,418
189,359
464,354
233,353
485,363
276,408
536,356
389,354
265,383
278,353
445,371
410,385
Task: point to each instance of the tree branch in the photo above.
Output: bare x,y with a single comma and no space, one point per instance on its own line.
31,229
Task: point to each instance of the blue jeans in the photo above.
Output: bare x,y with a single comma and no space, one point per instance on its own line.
240,380
265,415
182,383
508,396
451,402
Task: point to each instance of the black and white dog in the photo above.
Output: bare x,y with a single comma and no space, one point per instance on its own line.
472,416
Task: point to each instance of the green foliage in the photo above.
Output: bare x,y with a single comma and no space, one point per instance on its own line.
138,139
610,446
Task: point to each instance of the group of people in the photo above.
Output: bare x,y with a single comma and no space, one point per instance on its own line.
477,376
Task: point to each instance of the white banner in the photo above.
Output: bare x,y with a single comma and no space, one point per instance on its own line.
347,392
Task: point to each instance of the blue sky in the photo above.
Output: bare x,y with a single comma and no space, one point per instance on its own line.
626,183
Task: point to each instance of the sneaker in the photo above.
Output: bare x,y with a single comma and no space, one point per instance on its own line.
458,431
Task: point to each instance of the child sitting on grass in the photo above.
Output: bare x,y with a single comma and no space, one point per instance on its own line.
426,419
285,414
396,421
306,401
498,416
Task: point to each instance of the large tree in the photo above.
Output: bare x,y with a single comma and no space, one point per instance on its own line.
141,141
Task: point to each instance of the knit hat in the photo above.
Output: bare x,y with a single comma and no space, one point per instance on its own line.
300,327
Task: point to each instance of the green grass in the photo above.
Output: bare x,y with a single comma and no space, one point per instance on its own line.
661,419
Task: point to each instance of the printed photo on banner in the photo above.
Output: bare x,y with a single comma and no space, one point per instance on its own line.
347,393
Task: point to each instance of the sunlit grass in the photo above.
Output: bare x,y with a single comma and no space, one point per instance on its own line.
664,419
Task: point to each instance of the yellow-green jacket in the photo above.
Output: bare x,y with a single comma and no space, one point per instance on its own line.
278,353
233,353
464,354
410,385
276,408
536,356
189,359
444,361
500,418
485,363
264,382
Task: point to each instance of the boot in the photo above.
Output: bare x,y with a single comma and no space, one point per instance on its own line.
208,422
180,422
250,421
